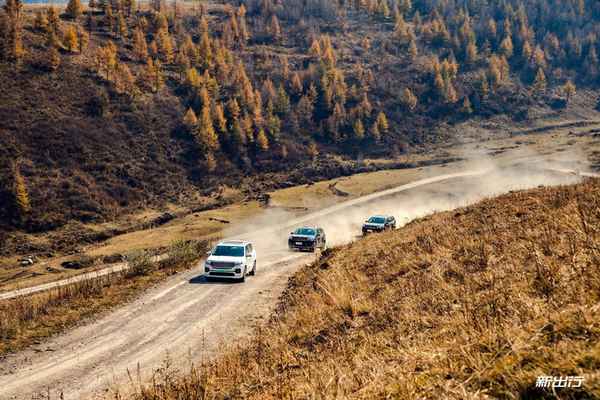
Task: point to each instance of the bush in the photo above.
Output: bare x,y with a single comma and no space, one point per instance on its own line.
183,252
140,263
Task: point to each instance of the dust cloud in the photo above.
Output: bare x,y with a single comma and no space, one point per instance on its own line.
479,178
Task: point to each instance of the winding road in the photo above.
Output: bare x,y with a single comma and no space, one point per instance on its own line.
187,318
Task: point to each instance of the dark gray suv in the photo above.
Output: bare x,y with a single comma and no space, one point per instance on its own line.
379,223
307,238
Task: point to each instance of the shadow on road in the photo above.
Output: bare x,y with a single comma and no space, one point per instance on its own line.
203,280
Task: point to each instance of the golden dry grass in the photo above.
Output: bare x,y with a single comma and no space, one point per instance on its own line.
28,320
472,303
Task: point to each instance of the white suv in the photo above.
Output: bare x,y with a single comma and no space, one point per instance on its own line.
231,259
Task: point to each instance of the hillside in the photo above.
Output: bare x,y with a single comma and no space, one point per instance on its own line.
472,303
112,105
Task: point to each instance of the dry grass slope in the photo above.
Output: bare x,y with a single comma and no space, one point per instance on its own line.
473,303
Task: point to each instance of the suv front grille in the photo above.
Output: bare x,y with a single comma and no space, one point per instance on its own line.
222,264
301,239
214,273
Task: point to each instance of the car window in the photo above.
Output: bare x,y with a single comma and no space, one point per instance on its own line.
377,220
305,231
229,251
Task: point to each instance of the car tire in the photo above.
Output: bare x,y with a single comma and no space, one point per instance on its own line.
253,272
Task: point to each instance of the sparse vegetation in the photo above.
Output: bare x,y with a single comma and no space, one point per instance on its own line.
468,303
27,320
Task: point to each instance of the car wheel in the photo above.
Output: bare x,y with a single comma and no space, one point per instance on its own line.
253,272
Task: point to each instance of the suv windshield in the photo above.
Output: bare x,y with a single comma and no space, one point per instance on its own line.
229,251
377,220
305,231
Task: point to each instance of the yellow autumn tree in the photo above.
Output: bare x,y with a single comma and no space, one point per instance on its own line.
74,9
71,41
21,193
189,119
262,142
205,133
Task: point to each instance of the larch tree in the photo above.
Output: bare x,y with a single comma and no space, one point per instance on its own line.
262,142
539,83
451,96
182,62
220,122
569,90
282,104
471,52
205,51
52,58
190,121
205,132
296,84
275,29
374,132
53,20
84,39
21,194
140,46
358,129
125,81
466,108
165,46
154,74
506,47
408,99
413,51
121,27
210,162
11,43
315,50
382,122
71,41
74,9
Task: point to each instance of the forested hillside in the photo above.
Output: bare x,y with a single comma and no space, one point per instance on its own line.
112,104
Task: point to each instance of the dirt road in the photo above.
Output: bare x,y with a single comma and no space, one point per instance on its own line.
190,318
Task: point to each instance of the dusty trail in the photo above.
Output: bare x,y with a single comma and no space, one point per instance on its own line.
189,317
